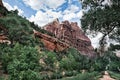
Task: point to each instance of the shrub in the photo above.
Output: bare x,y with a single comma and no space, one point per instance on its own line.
21,62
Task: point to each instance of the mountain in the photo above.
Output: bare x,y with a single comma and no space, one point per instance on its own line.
57,51
51,43
71,34
66,34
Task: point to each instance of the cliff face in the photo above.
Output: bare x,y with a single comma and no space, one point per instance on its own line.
1,4
52,44
71,34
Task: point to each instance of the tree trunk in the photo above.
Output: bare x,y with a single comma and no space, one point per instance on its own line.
102,43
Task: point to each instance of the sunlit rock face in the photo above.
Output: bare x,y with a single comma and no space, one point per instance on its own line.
71,34
4,39
51,43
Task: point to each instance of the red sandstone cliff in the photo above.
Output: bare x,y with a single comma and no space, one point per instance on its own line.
71,34
52,44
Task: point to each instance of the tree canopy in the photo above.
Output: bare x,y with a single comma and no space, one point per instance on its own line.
102,16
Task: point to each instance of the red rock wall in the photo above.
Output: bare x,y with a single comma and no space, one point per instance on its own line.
52,44
71,34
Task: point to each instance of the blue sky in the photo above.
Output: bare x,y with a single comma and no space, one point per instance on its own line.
44,11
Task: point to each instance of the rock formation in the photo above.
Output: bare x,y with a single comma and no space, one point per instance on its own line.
52,44
1,4
4,39
71,34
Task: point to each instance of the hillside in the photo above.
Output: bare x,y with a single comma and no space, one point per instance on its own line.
24,54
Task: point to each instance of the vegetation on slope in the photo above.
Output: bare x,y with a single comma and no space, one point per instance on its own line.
27,59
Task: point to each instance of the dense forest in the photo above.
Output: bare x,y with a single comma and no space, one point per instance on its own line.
26,58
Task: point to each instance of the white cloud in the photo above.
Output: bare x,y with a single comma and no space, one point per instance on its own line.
71,9
53,14
42,18
42,4
70,16
9,7
72,12
80,14
95,40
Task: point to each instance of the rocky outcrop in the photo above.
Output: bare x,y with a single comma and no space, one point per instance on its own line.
52,44
71,34
1,4
4,39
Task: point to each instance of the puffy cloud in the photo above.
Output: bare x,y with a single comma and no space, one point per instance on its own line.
53,14
74,8
72,12
42,18
71,9
9,7
70,16
39,18
35,4
43,4
80,14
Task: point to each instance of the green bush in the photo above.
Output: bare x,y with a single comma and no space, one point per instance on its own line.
56,76
84,76
114,75
21,62
2,78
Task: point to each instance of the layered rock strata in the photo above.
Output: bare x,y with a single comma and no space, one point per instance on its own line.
52,44
71,34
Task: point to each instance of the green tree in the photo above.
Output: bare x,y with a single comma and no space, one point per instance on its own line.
21,62
101,17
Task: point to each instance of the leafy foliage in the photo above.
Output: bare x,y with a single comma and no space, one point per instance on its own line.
21,62
85,76
25,58
104,18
